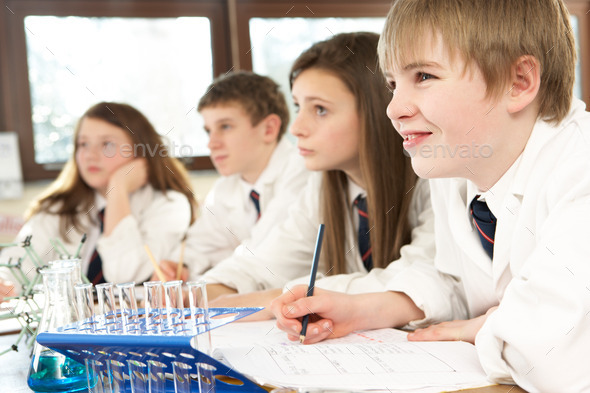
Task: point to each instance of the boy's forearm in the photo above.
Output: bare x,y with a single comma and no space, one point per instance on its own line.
386,309
216,290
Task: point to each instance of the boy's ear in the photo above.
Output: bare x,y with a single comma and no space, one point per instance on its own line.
526,80
272,126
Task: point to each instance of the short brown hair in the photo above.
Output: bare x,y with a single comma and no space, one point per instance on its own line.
492,34
259,95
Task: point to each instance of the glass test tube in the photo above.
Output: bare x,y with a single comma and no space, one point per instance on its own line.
85,306
128,306
157,376
197,293
106,306
153,305
98,376
174,305
182,379
206,374
138,376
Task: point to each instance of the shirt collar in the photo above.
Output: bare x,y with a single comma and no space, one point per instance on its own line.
354,190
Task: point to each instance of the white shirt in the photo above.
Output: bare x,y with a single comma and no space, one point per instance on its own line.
539,337
158,220
227,223
286,254
420,251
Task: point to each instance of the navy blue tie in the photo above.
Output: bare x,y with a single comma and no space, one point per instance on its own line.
255,197
363,233
95,267
485,223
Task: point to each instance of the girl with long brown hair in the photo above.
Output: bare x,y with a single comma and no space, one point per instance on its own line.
120,188
364,189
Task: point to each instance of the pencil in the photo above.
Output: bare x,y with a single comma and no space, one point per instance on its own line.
77,255
180,261
312,274
154,263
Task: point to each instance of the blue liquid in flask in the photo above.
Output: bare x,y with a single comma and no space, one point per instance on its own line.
54,372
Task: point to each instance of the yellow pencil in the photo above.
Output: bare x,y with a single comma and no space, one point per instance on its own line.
154,263
180,261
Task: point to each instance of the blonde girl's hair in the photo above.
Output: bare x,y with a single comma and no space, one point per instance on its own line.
493,35
70,197
386,170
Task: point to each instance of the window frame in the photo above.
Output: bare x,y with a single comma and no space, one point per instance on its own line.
15,95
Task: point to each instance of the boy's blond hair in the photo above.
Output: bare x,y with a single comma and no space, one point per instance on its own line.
258,95
491,34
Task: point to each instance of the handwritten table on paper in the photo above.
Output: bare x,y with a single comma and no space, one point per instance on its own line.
381,359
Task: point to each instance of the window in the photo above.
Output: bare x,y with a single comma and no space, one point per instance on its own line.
64,56
277,42
75,62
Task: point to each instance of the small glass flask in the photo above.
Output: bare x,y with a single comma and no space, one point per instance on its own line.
51,371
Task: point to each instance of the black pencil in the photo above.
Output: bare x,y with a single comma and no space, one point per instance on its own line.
314,270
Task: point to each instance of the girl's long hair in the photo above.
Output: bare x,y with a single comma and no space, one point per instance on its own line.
70,197
386,170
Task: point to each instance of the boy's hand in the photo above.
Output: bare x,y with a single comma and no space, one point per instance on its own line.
331,313
7,289
169,269
131,176
460,330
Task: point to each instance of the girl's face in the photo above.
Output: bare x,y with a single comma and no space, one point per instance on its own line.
327,125
101,149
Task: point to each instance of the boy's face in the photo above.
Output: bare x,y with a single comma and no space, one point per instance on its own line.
442,112
236,145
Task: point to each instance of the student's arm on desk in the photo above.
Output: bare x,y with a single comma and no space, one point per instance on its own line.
252,299
337,314
216,290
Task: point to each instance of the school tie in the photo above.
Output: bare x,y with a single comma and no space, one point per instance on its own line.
485,222
95,267
363,233
255,197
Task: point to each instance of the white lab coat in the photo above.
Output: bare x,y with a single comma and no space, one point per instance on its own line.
419,251
539,337
286,254
157,220
224,223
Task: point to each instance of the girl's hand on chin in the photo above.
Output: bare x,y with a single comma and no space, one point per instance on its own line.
131,176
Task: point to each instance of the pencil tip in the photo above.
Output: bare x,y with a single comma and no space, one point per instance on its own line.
301,339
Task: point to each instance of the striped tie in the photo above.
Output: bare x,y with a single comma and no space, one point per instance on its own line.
485,222
95,266
255,197
363,233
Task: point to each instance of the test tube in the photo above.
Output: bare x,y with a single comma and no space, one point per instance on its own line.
138,376
182,379
98,376
153,305
85,306
157,376
118,380
197,293
206,374
128,306
174,304
106,306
